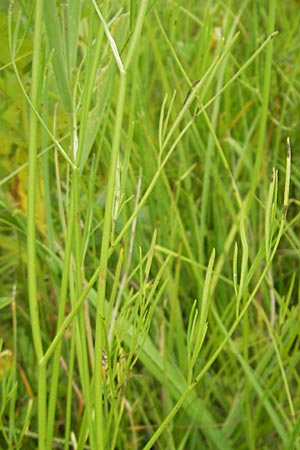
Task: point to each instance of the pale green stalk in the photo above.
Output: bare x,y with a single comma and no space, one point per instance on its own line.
61,311
81,344
69,393
99,339
31,224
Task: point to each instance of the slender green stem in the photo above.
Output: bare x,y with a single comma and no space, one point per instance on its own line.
136,33
103,263
32,177
31,224
109,204
81,344
61,311
69,394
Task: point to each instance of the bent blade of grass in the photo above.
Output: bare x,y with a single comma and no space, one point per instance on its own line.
263,369
110,39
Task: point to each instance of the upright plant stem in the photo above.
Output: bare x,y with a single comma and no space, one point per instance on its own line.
61,311
81,344
103,264
31,226
99,338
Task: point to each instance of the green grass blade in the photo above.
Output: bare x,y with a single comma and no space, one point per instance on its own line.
59,60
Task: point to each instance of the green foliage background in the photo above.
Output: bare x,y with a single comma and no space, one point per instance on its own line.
201,311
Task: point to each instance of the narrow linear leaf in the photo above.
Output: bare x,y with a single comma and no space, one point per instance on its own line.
59,60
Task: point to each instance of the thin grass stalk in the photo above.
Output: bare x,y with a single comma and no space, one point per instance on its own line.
250,423
12,425
99,337
136,33
79,329
61,311
46,183
32,178
31,224
69,395
109,205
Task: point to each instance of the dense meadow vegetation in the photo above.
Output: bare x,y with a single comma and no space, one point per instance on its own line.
149,225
